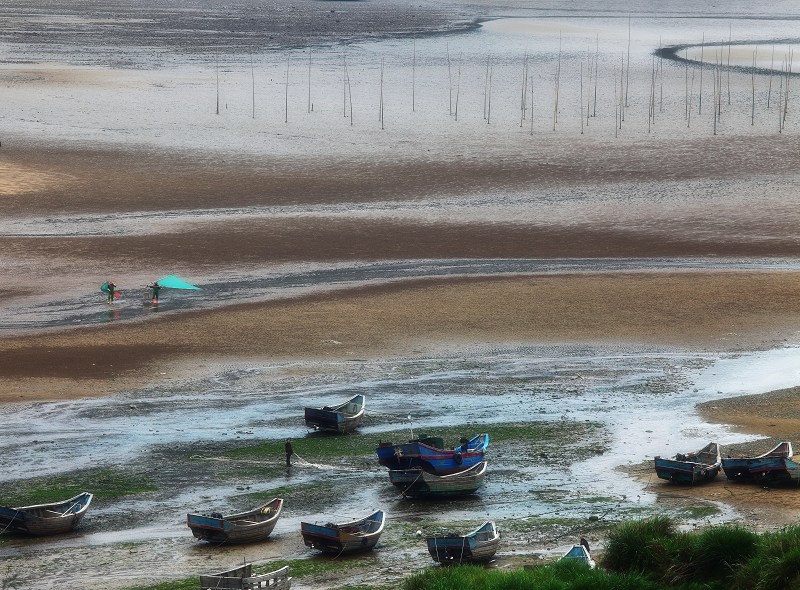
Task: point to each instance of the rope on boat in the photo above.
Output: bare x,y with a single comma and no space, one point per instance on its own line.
403,493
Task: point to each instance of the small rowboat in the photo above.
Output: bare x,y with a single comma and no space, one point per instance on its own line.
347,537
417,483
691,468
46,519
341,418
428,453
769,468
580,554
242,578
475,547
244,527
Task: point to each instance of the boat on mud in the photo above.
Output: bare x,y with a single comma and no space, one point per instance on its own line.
774,467
478,546
242,578
345,537
691,468
46,519
428,453
580,554
342,418
244,527
418,483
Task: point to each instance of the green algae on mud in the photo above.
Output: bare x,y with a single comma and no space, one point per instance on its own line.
531,435
105,484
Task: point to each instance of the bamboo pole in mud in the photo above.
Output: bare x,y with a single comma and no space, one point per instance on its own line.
532,107
253,81
286,95
686,86
413,72
344,86
589,68
486,85
558,83
700,92
621,90
596,61
489,109
449,80
691,97
616,107
216,58
661,78
753,87
771,73
714,88
788,78
349,89
522,100
310,108
628,71
780,102
458,82
580,104
381,106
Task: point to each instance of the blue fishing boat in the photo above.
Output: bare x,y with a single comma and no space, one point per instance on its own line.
691,468
428,453
771,468
478,546
346,537
46,519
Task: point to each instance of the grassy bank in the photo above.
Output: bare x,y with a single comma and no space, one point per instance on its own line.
650,554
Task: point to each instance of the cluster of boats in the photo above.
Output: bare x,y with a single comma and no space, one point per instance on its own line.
420,468
776,467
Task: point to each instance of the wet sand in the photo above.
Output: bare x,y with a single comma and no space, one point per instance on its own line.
716,311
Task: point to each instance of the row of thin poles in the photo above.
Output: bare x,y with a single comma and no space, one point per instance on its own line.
587,92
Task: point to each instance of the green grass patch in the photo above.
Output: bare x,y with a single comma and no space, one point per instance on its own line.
317,565
185,584
321,445
699,512
103,483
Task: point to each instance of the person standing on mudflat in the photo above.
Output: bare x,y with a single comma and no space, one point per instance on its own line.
289,452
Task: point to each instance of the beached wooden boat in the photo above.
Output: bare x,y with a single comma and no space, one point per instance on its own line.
45,519
244,527
342,418
418,483
691,468
346,537
428,453
771,468
242,578
581,554
478,546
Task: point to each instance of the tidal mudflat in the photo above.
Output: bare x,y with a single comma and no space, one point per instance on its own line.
523,222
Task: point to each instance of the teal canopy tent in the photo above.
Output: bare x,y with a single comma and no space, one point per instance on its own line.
173,282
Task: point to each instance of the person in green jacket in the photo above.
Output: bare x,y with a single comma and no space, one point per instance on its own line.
156,289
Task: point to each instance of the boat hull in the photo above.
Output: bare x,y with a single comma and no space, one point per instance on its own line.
352,537
46,519
246,527
343,418
476,547
773,468
418,455
416,483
